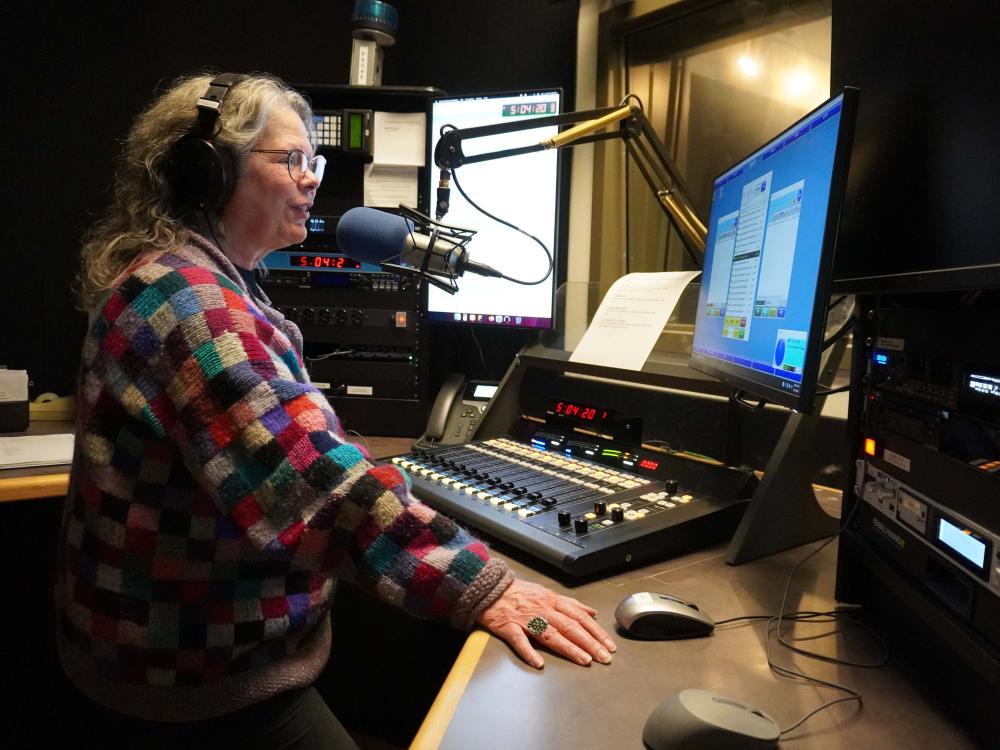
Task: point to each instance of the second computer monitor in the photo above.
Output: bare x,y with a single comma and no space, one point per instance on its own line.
769,258
522,190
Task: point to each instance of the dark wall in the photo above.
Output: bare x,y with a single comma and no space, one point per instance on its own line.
923,186
83,71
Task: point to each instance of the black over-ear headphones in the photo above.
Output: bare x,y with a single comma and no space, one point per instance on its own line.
201,172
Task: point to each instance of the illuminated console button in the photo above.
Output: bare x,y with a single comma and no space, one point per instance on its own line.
425,472
687,498
470,490
526,513
483,495
437,477
631,515
607,522
398,460
590,516
496,501
626,506
683,499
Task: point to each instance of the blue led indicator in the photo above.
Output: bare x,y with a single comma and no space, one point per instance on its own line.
881,359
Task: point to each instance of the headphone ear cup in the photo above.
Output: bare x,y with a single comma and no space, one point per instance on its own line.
202,174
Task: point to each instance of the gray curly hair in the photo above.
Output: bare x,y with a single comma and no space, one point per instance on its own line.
142,215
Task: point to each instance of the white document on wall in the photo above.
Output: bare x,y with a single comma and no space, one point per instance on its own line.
400,138
631,318
400,149
388,185
13,385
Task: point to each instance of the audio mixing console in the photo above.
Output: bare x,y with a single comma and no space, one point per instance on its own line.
583,508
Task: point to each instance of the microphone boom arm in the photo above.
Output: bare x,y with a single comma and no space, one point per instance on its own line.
641,144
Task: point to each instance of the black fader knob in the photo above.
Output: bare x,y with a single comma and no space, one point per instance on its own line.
600,507
565,518
670,486
581,526
617,515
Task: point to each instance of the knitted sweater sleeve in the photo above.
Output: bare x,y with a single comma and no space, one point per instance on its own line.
181,350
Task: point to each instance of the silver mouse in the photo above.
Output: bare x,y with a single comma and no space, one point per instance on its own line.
653,616
702,720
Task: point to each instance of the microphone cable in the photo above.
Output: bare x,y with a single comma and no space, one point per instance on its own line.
548,255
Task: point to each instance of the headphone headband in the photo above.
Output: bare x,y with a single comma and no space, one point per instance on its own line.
210,103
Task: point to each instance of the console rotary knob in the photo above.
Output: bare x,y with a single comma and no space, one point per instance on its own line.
670,486
617,515
565,518
581,526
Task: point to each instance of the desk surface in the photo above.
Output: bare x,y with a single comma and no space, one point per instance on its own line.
507,704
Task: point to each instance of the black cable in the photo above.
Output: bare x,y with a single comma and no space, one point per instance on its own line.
848,325
828,391
548,255
482,358
775,622
853,695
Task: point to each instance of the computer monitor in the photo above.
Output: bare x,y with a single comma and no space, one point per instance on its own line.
769,258
522,190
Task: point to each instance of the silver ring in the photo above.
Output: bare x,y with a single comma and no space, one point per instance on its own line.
537,625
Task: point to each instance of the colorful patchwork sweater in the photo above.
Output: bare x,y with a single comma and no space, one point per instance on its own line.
214,502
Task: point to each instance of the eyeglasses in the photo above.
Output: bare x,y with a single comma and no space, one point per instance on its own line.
298,162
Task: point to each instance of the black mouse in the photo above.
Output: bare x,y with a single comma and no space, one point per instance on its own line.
703,720
653,616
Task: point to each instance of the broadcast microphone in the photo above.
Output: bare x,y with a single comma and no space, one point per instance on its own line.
374,236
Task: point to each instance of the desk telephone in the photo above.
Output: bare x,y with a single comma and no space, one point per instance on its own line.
456,412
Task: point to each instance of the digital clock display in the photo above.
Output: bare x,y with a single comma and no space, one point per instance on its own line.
323,261
531,108
582,412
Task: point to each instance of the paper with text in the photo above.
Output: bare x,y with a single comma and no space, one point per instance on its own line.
631,318
36,450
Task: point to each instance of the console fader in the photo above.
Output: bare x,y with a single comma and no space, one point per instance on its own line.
595,509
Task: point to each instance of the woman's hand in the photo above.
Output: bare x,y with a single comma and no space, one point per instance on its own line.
559,623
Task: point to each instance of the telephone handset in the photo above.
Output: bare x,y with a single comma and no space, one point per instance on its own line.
456,411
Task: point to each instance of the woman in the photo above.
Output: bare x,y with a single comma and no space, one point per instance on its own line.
214,500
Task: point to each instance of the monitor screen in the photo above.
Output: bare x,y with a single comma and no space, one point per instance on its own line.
522,190
769,255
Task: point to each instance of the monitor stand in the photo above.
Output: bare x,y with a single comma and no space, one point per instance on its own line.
784,511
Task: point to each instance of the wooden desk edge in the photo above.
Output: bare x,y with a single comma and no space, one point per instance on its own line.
436,722
34,487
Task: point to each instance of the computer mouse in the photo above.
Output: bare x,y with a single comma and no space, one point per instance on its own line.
702,720
660,617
